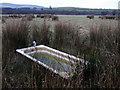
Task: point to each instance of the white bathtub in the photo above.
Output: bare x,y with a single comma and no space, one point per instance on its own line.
63,59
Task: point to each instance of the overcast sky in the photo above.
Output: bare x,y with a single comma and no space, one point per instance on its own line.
109,4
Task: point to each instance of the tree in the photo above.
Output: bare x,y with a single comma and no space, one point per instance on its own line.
42,9
50,7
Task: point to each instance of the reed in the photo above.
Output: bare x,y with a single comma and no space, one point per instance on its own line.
41,33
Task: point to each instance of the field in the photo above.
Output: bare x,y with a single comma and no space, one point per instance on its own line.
78,20
95,40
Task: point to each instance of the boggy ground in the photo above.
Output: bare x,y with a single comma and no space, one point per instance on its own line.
95,40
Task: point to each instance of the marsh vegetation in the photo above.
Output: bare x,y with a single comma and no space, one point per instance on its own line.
94,40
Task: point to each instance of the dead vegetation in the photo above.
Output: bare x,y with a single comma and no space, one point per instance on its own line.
116,17
90,16
103,53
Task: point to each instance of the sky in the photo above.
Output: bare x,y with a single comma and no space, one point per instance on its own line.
104,4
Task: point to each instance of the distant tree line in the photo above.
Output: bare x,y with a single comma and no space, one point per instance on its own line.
59,11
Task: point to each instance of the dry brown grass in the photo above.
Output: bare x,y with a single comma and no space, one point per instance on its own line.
103,53
104,57
41,33
66,37
14,35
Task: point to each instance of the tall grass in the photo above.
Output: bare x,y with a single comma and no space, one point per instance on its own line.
66,37
103,54
103,36
18,71
41,33
15,35
104,57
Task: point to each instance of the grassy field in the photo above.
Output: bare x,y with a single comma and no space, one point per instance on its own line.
79,20
95,40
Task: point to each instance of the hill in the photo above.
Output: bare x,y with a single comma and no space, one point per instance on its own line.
10,5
